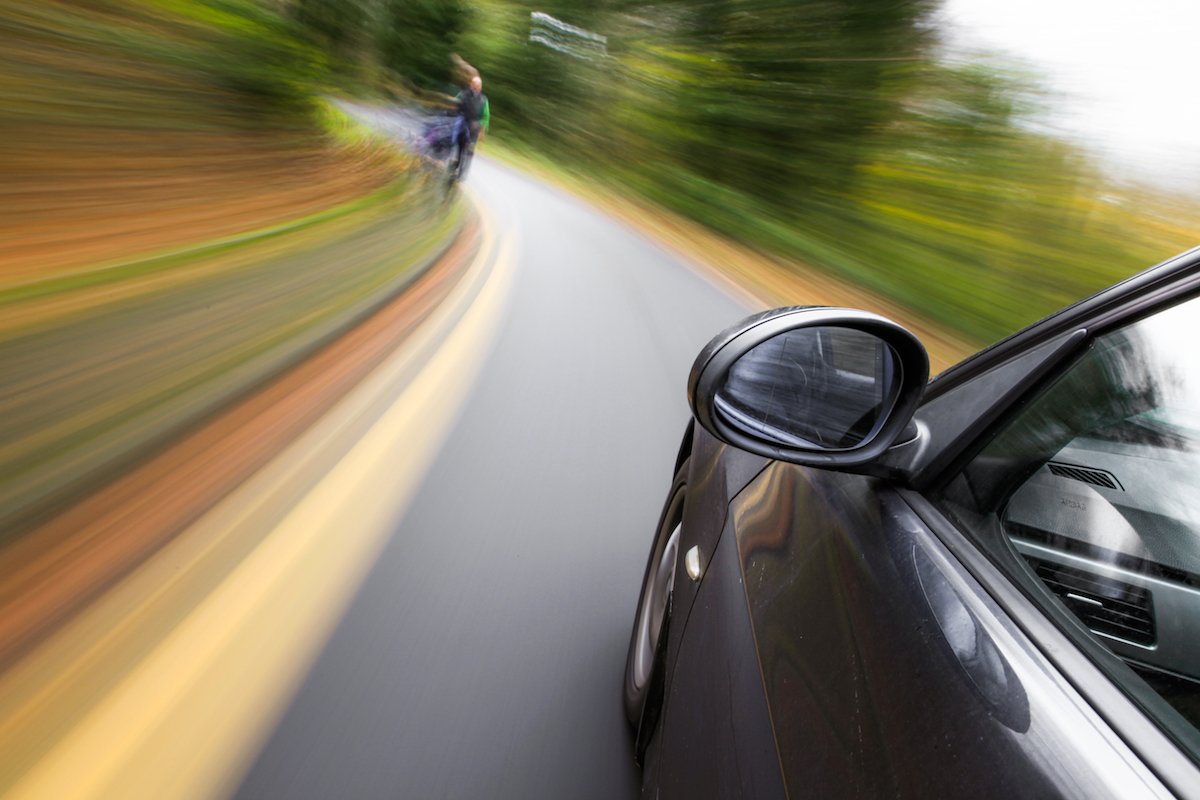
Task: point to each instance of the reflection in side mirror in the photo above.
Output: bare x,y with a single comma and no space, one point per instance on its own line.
828,387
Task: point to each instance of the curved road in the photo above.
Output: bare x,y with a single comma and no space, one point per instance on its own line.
483,655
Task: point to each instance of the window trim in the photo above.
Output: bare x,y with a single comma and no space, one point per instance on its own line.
1171,751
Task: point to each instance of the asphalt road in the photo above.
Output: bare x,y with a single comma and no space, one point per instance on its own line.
483,655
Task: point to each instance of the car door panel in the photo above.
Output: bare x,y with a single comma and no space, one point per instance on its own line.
887,671
890,656
716,739
716,473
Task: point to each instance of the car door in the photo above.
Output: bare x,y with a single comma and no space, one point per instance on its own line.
1078,502
929,629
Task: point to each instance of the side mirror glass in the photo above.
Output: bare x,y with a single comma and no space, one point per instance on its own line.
824,388
818,386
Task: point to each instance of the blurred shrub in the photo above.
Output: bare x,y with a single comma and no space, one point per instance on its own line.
830,131
170,63
417,38
256,53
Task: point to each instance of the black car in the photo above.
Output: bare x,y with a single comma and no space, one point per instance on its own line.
865,583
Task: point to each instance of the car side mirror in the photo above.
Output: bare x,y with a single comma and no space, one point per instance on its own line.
824,387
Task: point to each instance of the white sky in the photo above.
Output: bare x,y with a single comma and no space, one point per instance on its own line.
1124,73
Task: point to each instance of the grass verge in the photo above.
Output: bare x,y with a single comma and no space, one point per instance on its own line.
104,365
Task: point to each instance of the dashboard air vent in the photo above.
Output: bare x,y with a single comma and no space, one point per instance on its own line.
1096,477
1111,607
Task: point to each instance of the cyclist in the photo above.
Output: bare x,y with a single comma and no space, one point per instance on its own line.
475,115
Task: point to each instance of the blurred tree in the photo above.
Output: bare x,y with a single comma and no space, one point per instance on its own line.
803,90
418,37
779,99
339,26
259,54
828,130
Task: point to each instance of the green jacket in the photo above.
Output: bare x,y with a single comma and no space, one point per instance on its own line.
472,109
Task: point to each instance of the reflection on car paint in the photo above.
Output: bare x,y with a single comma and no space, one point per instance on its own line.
973,647
862,676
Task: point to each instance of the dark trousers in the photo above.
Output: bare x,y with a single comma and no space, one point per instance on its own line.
468,135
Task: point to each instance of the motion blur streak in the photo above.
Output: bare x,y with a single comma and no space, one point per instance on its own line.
100,365
836,135
187,718
181,219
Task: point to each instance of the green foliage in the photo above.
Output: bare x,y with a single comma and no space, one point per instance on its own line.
258,55
418,36
776,99
827,131
337,24
342,31
168,64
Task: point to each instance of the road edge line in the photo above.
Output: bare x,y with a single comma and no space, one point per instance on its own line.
189,718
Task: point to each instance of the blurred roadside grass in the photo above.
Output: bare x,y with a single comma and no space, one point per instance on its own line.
90,277
182,217
131,127
95,377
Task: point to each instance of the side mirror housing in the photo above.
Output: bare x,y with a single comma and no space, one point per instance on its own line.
823,387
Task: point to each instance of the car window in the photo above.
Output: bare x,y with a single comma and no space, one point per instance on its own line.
1090,495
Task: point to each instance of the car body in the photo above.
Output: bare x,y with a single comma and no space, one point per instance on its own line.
982,586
